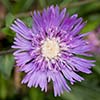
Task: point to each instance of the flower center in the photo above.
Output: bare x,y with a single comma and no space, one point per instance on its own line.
50,48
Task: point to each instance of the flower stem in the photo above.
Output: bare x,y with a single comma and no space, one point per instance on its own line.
75,4
6,52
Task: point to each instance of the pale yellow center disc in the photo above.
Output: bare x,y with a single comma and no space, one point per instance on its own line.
50,48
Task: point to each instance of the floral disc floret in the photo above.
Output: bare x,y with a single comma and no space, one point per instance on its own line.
50,48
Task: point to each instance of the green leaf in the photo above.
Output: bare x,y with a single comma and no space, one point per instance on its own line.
89,8
22,5
27,21
97,67
88,89
82,93
36,94
3,88
27,4
6,64
9,19
92,23
54,2
42,3
8,32
66,3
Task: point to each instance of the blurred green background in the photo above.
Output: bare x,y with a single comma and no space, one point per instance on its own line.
10,79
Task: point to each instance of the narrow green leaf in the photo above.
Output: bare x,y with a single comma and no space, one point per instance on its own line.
9,19
54,2
22,5
3,88
27,4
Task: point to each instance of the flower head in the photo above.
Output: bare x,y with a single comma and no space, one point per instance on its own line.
50,49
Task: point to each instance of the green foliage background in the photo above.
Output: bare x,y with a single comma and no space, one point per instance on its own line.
10,87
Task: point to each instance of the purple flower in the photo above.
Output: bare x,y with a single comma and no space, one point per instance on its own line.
94,39
50,49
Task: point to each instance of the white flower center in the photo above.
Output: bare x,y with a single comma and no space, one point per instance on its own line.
50,48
